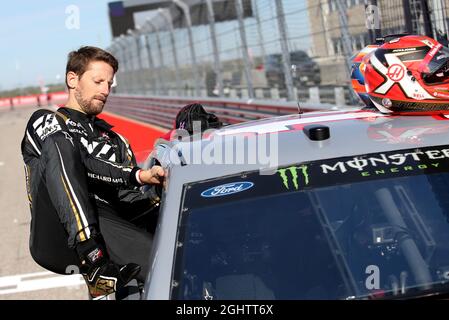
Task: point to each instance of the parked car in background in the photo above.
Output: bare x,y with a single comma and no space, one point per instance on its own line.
305,70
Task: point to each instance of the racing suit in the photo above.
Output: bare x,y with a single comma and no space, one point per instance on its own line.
82,181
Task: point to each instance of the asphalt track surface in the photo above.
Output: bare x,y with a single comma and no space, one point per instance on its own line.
20,277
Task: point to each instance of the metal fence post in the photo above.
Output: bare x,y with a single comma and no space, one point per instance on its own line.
346,41
125,52
168,19
115,50
440,21
122,49
285,51
130,45
218,69
426,18
377,32
246,60
154,84
407,16
260,33
129,67
374,30
161,57
138,76
186,10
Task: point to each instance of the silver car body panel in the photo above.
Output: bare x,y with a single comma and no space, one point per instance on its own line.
351,133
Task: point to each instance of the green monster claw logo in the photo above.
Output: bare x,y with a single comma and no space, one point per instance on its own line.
294,173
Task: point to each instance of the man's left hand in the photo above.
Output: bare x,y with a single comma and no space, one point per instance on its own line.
155,175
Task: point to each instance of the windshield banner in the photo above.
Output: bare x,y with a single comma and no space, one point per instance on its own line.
323,173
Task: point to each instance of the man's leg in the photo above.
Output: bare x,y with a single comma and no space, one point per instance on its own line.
125,242
66,182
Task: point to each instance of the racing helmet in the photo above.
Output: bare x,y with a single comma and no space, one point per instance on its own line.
408,74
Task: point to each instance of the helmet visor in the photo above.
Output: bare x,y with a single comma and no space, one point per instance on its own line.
438,68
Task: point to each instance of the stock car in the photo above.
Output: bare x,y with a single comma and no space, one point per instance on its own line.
346,204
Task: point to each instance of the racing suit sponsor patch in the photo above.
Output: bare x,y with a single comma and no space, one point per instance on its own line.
104,178
46,125
103,153
95,255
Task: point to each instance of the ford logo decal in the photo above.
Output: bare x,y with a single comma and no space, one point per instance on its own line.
227,189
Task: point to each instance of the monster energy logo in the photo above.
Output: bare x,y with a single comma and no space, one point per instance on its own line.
294,174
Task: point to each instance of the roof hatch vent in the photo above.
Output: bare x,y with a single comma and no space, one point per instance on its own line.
317,132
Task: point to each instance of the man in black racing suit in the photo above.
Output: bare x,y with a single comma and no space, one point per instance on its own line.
83,184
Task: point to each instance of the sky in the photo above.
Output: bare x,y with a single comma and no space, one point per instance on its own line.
37,35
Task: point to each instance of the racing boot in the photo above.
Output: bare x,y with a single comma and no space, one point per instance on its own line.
102,276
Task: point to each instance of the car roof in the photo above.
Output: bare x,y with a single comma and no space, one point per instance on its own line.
352,132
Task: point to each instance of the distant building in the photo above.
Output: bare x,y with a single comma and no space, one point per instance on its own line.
128,14
420,16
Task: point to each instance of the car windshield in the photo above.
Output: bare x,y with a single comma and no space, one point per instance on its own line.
373,226
299,56
275,59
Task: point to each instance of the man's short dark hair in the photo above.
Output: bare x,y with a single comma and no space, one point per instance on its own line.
78,60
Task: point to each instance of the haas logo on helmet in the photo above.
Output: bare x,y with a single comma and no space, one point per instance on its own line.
396,72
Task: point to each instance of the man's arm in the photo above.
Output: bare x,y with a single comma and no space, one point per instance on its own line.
133,200
119,175
113,173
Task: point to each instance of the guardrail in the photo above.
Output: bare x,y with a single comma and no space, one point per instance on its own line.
318,94
161,111
34,100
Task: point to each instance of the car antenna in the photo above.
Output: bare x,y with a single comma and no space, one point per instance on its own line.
294,70
299,107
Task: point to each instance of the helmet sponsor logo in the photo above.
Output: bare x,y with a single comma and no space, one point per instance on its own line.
396,72
227,189
441,95
428,43
404,50
387,102
419,96
434,50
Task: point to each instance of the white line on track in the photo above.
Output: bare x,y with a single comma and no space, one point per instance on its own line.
38,281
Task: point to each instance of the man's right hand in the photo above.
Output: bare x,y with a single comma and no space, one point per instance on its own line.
155,175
